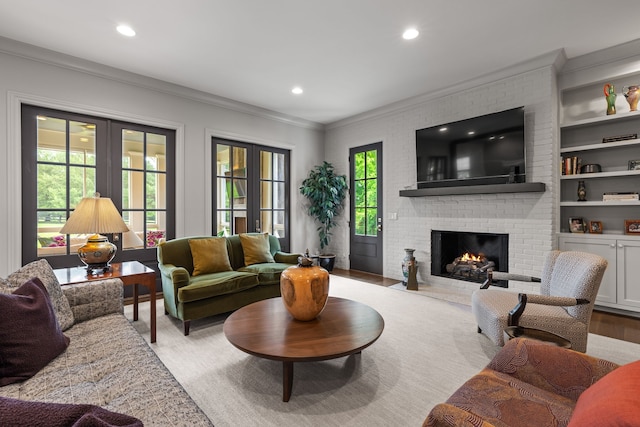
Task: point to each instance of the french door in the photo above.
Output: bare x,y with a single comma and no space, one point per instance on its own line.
68,156
250,189
365,229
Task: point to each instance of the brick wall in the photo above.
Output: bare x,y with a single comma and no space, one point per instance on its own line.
529,218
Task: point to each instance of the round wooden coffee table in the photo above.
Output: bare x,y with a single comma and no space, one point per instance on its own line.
266,329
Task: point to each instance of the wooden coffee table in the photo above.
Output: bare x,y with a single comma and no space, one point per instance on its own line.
266,329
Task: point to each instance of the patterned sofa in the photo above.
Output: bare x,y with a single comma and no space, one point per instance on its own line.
107,363
532,383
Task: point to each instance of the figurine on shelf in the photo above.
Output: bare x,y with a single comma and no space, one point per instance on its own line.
582,192
632,93
610,96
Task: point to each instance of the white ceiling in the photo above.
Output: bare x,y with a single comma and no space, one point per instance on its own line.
348,55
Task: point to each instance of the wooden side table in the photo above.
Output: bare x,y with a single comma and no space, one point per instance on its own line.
132,273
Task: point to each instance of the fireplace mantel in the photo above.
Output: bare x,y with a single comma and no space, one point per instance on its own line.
525,187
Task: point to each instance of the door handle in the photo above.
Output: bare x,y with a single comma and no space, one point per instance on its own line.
379,224
257,225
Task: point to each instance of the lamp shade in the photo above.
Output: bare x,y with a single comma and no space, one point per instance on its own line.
95,215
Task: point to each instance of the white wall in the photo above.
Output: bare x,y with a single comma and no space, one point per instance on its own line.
528,218
40,77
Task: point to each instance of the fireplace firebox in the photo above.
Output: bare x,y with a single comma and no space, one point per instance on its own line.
467,256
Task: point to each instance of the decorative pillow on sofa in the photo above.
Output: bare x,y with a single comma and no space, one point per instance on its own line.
613,401
30,336
256,248
209,255
43,271
17,413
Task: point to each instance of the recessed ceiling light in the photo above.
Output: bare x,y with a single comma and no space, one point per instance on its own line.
471,132
410,34
126,30
297,90
443,129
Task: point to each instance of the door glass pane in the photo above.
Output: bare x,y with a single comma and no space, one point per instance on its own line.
359,166
239,162
223,159
134,239
372,193
82,143
278,166
266,196
223,227
239,222
81,184
360,221
156,152
279,196
278,224
52,140
360,200
265,165
266,221
224,193
151,191
372,229
132,149
52,187
372,164
135,190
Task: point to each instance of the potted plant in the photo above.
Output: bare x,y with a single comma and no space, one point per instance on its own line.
325,192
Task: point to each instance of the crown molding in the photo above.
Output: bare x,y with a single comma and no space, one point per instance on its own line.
50,57
554,58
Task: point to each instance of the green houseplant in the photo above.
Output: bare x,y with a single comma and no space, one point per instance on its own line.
325,192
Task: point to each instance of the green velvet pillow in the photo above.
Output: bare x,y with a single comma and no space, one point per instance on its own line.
209,255
255,248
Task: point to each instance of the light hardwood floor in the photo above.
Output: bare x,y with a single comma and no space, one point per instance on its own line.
625,328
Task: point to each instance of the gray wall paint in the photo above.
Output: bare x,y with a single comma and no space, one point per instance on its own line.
41,77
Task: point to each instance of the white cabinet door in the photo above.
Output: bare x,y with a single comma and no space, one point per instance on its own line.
628,272
606,248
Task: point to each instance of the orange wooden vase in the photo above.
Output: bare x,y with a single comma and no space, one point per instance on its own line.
305,289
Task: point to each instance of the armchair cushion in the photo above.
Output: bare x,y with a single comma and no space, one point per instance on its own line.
256,248
30,336
612,401
209,255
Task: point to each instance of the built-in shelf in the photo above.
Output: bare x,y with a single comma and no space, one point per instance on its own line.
602,203
525,187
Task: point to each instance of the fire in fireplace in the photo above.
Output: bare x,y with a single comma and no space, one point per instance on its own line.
468,256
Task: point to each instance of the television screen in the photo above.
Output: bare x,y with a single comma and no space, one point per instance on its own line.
488,149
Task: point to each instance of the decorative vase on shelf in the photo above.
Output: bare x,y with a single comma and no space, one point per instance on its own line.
304,289
409,270
632,93
610,96
582,192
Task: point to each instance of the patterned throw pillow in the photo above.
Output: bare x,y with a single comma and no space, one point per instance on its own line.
43,271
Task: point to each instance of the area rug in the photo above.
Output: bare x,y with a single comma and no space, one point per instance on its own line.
429,347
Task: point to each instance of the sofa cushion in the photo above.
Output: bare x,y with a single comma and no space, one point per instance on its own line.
30,336
43,271
256,248
614,400
18,413
209,255
211,285
268,273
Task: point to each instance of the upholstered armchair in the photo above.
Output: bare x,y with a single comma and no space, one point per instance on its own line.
568,287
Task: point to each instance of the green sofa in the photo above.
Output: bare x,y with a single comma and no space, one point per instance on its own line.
188,297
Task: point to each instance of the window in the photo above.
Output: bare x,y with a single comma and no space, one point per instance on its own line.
251,190
68,156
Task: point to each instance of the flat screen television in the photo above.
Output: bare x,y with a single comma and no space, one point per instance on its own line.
488,149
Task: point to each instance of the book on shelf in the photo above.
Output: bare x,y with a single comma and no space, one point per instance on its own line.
571,165
620,197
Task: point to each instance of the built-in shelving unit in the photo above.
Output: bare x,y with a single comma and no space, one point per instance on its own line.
585,125
525,187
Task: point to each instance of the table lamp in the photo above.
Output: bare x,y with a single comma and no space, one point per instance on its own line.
95,215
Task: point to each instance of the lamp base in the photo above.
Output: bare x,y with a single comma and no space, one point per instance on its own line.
97,253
